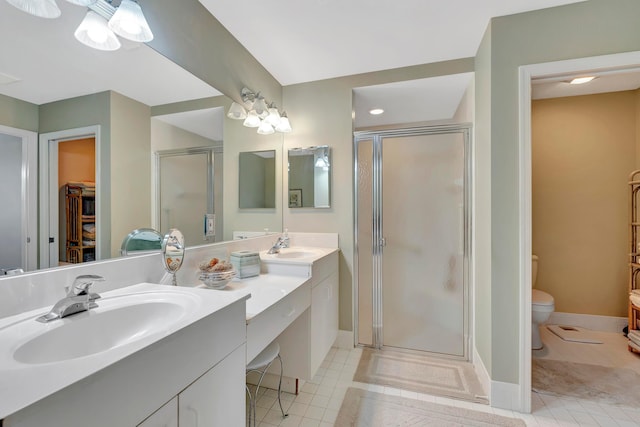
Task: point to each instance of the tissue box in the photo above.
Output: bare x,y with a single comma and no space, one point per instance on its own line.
246,263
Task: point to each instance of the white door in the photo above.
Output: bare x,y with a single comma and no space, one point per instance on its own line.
18,193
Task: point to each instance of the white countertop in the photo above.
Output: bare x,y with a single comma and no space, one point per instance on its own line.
265,290
23,384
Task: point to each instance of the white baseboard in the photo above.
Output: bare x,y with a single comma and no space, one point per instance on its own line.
589,321
481,372
505,396
344,340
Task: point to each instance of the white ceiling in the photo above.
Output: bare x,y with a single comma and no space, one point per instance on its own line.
300,41
206,122
50,64
422,100
607,81
297,41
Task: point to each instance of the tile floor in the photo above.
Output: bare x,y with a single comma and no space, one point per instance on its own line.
320,399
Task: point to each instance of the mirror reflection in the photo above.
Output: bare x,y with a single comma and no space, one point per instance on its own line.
127,115
310,177
173,252
257,180
141,241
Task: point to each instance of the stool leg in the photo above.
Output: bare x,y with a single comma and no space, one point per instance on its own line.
280,388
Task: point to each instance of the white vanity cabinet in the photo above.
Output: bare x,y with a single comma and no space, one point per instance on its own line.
167,416
305,344
205,401
324,320
195,375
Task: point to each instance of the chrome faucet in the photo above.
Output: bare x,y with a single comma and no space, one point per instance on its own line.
78,299
279,244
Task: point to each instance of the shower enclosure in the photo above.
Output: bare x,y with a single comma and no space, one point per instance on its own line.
189,186
412,238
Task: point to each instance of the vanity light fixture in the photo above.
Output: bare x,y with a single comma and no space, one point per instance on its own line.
274,115
82,2
265,128
581,80
376,111
40,8
257,113
129,22
237,111
284,126
126,20
252,120
94,32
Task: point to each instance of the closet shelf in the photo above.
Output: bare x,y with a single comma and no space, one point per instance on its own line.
634,251
80,210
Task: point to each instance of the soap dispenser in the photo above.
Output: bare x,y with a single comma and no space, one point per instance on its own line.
285,238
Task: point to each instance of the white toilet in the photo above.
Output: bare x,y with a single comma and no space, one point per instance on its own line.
541,307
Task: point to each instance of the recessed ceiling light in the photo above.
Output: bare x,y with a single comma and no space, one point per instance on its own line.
581,80
376,111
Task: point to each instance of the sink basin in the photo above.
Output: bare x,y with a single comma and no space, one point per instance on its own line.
295,254
116,322
299,253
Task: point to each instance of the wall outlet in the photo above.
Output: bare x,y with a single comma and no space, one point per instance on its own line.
210,225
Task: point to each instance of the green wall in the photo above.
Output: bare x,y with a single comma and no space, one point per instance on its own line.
18,114
592,28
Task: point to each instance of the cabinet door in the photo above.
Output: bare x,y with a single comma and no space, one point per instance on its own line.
218,397
167,416
324,319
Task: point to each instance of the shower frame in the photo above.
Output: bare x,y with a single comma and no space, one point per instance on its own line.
376,137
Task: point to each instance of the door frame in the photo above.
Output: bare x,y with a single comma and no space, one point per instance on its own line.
466,130
606,63
49,219
29,195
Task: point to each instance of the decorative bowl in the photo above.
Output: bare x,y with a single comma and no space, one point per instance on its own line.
216,279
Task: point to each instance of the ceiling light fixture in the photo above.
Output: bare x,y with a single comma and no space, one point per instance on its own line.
376,111
126,20
257,113
581,80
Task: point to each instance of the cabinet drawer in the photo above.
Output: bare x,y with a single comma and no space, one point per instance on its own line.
324,267
265,327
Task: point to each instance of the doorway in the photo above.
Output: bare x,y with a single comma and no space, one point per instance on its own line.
412,239
607,64
70,156
18,217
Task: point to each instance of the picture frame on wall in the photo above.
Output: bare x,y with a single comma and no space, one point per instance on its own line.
295,198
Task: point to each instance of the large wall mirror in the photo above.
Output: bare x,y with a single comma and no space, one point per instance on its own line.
84,93
257,180
310,177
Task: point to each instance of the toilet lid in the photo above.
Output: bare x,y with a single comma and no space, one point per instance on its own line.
541,298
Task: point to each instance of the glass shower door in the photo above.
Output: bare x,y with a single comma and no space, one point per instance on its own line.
186,192
412,239
423,227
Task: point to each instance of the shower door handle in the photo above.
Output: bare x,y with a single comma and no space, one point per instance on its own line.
383,242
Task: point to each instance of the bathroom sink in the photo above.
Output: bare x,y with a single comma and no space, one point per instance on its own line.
296,253
117,321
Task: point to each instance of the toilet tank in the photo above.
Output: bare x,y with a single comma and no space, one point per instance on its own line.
534,270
